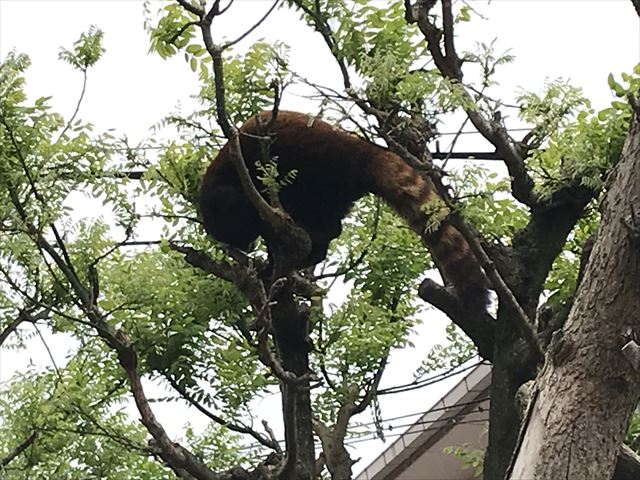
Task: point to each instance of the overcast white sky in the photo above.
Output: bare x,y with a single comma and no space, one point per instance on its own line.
130,90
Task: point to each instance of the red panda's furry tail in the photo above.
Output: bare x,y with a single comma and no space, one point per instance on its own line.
414,198
459,267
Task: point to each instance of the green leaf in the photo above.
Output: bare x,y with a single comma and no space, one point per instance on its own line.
615,86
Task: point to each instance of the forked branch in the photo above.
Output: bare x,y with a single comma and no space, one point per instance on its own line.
448,63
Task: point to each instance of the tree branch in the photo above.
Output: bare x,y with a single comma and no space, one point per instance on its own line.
481,330
256,25
198,12
322,27
449,44
23,316
371,390
202,261
172,453
75,113
6,460
288,231
219,420
449,66
505,294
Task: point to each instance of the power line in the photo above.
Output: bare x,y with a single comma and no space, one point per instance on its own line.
474,132
434,424
445,408
479,421
417,384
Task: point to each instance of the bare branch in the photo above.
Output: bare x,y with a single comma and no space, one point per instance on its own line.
449,45
272,436
505,294
222,10
256,25
173,453
23,316
323,27
75,113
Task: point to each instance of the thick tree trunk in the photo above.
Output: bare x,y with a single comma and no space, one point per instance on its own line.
290,323
588,388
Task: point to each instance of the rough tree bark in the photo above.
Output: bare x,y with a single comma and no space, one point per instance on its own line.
290,323
583,398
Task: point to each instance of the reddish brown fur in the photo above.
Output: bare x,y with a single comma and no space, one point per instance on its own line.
334,168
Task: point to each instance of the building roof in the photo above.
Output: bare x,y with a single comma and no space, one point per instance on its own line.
457,419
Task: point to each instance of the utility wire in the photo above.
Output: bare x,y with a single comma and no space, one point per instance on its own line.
434,424
425,382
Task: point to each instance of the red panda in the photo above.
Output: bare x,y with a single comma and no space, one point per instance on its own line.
333,170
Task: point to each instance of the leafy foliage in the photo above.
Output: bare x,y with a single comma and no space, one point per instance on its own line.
454,352
579,151
382,260
470,457
80,428
86,51
174,30
251,79
484,194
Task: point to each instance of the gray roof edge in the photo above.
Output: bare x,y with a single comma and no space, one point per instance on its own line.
467,389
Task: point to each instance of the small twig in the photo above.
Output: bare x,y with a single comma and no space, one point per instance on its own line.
521,182
323,27
49,353
221,11
272,436
182,29
22,316
75,113
204,262
256,25
453,143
